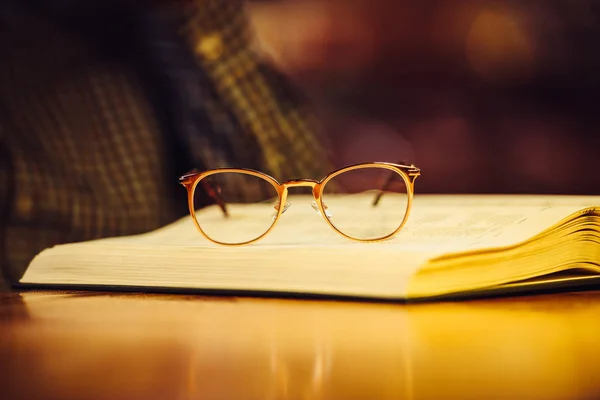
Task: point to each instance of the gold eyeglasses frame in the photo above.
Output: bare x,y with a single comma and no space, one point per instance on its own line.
409,174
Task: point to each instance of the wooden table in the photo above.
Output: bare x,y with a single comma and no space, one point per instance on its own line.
59,345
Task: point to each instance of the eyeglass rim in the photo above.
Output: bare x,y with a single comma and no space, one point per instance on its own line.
409,173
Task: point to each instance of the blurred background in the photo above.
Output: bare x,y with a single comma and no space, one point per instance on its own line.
484,96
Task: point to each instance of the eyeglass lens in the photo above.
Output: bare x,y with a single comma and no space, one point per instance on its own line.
239,197
366,203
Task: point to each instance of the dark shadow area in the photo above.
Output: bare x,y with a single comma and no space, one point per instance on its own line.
498,97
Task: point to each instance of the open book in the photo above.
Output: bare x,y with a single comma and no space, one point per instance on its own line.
451,245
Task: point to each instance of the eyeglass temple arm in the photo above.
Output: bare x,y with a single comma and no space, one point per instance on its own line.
382,190
216,196
385,186
187,180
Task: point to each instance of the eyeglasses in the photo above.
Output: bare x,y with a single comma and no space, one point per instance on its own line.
364,202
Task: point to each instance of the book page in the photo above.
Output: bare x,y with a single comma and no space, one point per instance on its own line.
437,223
303,254
447,223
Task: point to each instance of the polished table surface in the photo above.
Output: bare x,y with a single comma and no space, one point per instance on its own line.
86,345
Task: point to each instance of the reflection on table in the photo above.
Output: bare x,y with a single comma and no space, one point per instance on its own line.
127,346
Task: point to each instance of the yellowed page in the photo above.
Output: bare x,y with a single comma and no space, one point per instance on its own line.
441,224
437,223
303,253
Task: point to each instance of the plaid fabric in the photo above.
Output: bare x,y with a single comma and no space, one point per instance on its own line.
89,151
261,100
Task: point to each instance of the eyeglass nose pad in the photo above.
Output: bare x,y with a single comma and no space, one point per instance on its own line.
316,208
276,207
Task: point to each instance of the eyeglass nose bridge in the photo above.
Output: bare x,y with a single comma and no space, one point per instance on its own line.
300,183
311,183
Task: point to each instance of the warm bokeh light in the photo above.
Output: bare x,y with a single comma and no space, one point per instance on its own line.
490,91
498,49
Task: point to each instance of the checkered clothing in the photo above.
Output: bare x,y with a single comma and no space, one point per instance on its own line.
93,137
